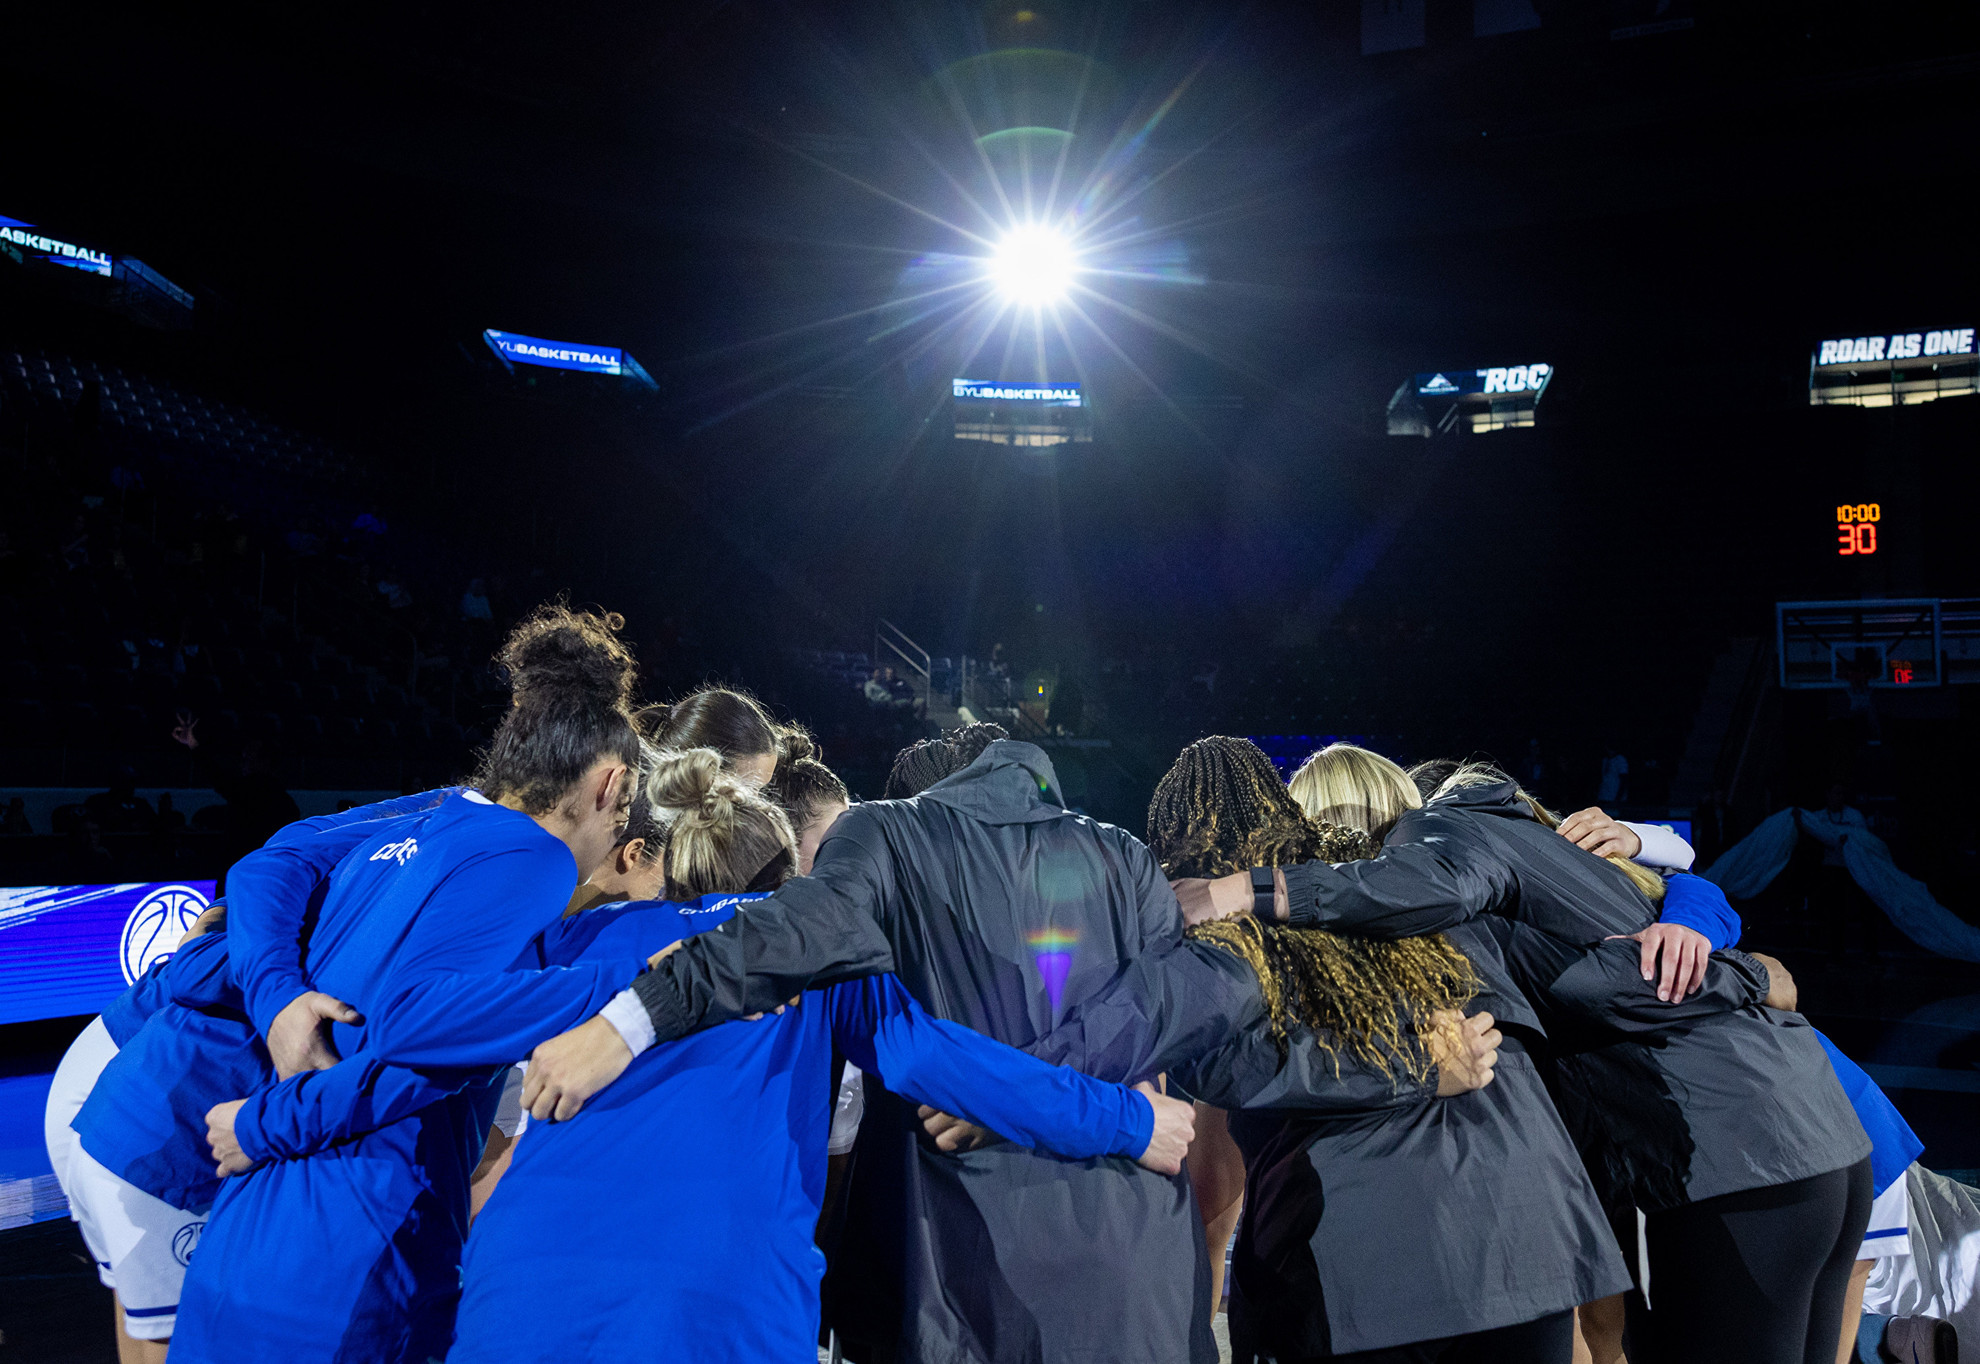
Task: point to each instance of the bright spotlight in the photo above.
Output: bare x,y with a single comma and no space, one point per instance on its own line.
1033,266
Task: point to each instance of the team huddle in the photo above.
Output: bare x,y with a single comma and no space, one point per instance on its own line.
548,1066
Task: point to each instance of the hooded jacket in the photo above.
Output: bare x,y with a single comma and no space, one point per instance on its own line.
1671,1107
1377,1214
1000,910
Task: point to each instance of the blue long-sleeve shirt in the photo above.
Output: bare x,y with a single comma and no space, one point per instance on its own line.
200,967
352,1252
675,1213
1696,903
274,892
186,1040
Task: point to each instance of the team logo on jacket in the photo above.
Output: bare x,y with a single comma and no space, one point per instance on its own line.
400,852
153,931
1052,949
186,1240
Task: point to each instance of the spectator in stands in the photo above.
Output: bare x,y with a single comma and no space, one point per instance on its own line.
877,693
120,810
168,819
15,823
257,805
900,691
474,602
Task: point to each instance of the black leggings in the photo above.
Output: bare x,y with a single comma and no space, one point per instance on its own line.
1550,1340
1756,1277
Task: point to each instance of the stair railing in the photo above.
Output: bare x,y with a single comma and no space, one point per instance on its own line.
890,638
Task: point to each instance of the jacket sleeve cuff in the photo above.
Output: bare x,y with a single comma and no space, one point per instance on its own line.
1137,1126
247,1131
1302,896
662,1003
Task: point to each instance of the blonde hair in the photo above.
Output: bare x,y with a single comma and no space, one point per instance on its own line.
1348,785
1485,774
723,833
1220,809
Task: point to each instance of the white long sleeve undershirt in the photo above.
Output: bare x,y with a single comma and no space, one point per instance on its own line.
1662,848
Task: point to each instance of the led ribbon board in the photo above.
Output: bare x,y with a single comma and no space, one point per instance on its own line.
534,350
1490,382
1043,395
68,950
52,249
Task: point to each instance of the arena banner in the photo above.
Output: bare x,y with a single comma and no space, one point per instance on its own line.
534,350
52,250
1895,348
994,391
67,950
1508,379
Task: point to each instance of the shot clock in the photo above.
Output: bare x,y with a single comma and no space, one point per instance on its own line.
1856,528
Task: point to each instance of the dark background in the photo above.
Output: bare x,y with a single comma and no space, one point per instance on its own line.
729,191
747,195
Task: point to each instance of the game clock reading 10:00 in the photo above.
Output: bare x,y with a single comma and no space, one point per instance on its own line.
1856,528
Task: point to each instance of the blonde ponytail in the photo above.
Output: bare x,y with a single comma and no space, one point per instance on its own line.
722,833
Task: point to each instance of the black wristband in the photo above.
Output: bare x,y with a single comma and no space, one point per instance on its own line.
1264,895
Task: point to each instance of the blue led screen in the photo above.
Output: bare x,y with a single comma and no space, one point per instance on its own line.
67,950
996,391
534,350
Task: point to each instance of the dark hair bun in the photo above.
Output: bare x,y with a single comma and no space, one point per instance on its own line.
797,744
572,652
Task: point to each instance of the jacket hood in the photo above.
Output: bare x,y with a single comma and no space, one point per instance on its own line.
1494,798
1011,782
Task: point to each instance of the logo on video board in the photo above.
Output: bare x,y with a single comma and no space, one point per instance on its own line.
156,924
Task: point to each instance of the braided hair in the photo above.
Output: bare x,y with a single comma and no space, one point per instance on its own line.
1221,809
920,765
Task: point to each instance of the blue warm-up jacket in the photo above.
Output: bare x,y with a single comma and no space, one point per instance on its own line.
184,1035
352,1253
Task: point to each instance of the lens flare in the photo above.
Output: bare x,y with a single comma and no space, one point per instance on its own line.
1052,949
1033,266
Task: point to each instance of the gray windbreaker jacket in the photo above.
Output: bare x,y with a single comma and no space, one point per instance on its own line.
1677,1104
999,910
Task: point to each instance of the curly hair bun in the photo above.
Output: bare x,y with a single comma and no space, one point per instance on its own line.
576,653
796,744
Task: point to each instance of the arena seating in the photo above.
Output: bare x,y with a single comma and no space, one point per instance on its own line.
215,565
